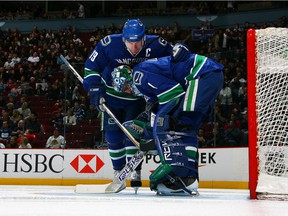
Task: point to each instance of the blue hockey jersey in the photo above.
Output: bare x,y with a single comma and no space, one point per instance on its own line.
111,52
162,80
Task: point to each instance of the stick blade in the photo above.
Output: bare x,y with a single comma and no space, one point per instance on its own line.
91,188
99,189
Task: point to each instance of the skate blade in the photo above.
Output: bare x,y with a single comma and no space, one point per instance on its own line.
178,193
136,189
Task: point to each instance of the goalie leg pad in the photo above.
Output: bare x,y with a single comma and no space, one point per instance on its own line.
177,151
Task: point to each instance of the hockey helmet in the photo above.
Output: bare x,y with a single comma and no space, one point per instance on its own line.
122,80
133,30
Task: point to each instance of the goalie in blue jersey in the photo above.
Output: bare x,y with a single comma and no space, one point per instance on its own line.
183,94
129,48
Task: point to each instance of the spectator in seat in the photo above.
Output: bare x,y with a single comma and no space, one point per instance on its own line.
39,90
233,135
201,138
34,58
25,143
33,124
56,140
57,120
5,132
24,110
69,119
12,142
218,137
9,109
9,64
30,136
13,100
225,97
5,117
19,130
15,59
16,117
79,112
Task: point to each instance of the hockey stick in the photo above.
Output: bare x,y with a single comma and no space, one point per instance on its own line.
117,182
107,110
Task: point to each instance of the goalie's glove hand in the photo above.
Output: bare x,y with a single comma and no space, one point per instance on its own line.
180,53
97,96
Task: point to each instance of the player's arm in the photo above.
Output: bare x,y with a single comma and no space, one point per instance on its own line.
180,52
163,88
94,66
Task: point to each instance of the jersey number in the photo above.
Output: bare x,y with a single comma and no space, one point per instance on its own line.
93,55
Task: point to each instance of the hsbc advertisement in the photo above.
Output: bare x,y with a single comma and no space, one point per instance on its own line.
215,164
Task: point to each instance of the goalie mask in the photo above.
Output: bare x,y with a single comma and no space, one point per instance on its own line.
122,80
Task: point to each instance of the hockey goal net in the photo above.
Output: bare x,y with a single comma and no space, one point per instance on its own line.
267,65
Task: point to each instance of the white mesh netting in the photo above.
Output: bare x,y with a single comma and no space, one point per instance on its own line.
272,109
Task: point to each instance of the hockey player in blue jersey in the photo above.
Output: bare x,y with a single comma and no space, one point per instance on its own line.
129,48
185,93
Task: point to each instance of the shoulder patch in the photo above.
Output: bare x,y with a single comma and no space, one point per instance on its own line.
137,77
106,40
162,41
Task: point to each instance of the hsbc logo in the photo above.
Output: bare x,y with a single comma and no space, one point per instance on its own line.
88,163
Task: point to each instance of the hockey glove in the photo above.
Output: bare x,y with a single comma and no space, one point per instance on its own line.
97,96
180,53
142,132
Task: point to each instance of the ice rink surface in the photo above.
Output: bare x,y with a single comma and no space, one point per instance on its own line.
63,201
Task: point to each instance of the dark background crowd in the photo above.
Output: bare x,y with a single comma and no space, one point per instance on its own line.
40,97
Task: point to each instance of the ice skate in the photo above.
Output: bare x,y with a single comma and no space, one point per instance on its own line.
169,189
135,179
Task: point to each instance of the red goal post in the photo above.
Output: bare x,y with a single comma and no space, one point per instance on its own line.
267,82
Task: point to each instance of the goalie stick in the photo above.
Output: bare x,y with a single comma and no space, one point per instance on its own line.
117,182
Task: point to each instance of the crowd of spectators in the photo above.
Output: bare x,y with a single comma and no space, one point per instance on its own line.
30,65
27,10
